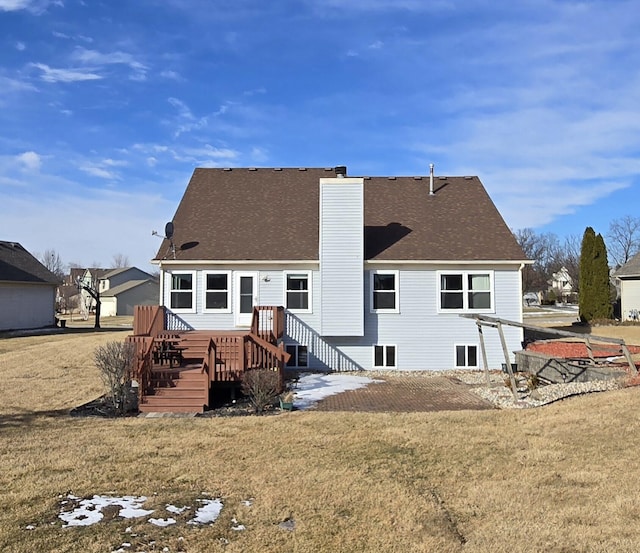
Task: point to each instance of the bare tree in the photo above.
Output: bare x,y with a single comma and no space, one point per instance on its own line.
120,261
545,250
623,239
51,260
93,289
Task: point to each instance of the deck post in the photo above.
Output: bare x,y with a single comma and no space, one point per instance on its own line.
587,342
632,365
505,350
484,354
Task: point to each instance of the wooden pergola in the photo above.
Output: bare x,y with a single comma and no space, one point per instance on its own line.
496,322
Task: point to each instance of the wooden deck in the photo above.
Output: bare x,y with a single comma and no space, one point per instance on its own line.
177,370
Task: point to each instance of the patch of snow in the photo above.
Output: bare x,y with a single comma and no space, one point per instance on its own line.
162,522
208,513
176,510
247,502
89,512
236,526
312,388
30,527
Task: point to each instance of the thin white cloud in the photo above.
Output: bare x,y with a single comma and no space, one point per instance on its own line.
21,46
52,75
30,161
36,7
97,170
95,58
172,75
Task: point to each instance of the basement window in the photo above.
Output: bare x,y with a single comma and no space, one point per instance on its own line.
299,356
384,357
466,355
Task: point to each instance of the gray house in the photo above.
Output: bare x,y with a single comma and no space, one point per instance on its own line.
27,290
122,289
373,272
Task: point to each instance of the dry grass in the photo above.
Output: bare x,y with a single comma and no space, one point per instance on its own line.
556,479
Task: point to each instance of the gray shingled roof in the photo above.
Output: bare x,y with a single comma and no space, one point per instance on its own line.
631,268
272,214
18,265
125,286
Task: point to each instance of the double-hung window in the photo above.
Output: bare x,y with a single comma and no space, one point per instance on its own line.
466,291
384,291
217,291
183,291
384,357
298,291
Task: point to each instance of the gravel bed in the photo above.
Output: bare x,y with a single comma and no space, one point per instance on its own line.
500,394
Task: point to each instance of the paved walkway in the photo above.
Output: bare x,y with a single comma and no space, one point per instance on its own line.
407,394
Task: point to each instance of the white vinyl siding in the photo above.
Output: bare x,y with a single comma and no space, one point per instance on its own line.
342,257
424,336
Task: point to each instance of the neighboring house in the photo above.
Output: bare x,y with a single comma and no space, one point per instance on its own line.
374,272
122,289
90,277
562,284
27,290
628,278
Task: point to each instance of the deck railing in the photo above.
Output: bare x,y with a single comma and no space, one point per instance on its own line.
148,320
268,322
142,363
264,355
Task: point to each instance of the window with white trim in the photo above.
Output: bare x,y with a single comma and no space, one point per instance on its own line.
183,291
217,291
297,291
299,356
466,355
384,291
466,291
384,357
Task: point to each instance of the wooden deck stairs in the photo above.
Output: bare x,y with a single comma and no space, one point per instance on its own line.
206,359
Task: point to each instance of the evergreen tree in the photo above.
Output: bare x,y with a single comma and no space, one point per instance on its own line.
594,278
601,284
586,274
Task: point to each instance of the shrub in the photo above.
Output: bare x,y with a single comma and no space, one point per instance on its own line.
115,362
261,386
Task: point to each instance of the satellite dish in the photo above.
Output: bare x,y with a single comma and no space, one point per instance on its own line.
168,230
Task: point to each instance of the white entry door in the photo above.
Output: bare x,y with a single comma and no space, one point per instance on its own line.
246,296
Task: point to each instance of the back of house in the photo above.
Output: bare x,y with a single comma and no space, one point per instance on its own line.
373,272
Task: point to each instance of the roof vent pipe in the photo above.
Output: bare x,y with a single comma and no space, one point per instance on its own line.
431,179
341,171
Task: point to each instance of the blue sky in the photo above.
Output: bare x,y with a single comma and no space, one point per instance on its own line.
107,107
